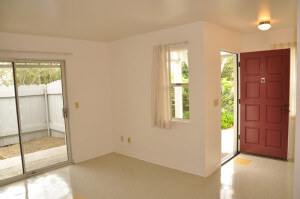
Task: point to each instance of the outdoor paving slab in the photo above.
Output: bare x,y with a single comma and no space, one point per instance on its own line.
12,166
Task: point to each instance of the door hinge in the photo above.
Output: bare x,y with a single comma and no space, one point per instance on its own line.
239,64
239,101
65,112
239,137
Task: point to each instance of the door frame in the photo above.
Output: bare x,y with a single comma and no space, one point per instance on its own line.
237,104
26,174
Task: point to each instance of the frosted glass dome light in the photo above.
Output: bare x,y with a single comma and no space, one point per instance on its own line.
264,25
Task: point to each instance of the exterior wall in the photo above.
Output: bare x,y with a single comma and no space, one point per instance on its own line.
32,135
55,105
87,74
36,101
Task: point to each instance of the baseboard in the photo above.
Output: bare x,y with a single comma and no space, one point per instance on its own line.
93,156
193,171
291,155
213,169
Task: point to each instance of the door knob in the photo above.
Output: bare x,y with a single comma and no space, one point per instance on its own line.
285,110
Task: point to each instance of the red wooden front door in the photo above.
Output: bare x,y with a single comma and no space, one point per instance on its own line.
265,102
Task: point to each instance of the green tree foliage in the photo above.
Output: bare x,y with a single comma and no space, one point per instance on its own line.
5,77
185,93
185,72
227,95
227,72
173,101
227,119
227,87
29,76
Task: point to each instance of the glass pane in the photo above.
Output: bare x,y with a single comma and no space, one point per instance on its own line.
42,121
10,152
179,67
180,102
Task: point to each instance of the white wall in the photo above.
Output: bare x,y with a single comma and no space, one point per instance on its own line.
216,39
87,73
263,40
182,147
297,141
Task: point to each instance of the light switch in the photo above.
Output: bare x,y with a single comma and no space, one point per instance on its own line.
216,102
122,138
129,140
76,105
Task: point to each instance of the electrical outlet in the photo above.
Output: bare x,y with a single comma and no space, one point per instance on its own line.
216,102
129,140
76,104
122,138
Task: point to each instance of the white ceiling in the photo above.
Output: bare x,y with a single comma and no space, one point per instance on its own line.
108,20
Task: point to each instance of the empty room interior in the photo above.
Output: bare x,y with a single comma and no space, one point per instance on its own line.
143,99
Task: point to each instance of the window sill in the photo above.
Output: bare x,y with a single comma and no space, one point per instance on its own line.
180,120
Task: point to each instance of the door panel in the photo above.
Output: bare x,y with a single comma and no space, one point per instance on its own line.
41,109
10,150
265,102
252,135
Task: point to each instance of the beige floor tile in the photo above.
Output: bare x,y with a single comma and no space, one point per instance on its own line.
115,176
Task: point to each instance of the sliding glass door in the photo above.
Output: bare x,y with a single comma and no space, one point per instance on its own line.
10,149
39,117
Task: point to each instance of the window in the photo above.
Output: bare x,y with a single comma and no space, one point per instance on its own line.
180,84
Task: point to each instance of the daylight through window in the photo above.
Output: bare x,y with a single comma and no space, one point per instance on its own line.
180,84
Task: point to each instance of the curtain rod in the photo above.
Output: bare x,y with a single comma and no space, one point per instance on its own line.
177,43
40,52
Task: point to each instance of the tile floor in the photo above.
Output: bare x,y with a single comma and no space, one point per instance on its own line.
115,176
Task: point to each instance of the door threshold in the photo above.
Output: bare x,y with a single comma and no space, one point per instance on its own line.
230,158
263,156
34,173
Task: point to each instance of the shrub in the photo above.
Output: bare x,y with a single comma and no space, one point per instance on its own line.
227,119
227,95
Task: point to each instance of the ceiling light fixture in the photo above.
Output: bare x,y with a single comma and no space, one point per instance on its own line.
264,25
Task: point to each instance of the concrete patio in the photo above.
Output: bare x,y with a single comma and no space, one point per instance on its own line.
227,142
12,166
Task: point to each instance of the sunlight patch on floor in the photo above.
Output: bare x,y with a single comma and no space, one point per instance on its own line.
242,161
78,196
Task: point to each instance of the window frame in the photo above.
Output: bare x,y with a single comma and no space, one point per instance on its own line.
173,85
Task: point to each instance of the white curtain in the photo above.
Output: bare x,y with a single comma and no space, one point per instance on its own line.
161,87
293,83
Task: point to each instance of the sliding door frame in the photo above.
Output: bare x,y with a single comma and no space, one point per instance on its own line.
23,175
66,120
